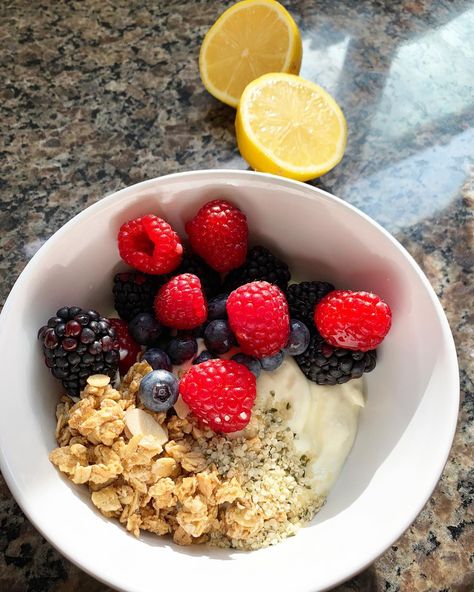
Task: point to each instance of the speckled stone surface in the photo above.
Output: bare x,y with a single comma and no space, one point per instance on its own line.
97,95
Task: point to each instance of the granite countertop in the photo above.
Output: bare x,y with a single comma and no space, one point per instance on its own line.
99,95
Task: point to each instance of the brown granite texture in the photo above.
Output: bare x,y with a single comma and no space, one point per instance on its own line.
97,95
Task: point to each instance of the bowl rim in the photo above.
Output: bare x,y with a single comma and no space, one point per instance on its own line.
313,192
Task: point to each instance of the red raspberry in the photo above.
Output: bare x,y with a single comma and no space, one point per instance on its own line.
219,234
258,315
129,348
180,303
220,393
353,320
149,244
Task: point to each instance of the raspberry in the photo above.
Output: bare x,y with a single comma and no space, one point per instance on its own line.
303,297
135,292
353,320
149,244
258,315
129,348
260,264
220,393
219,234
180,303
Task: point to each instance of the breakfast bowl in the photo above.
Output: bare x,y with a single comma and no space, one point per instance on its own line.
405,429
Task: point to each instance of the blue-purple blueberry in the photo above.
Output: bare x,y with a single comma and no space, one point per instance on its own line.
144,329
216,307
159,390
219,337
181,349
204,356
298,340
270,363
158,359
252,363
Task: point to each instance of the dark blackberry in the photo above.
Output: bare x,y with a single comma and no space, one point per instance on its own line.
303,297
324,364
259,264
210,279
134,293
77,343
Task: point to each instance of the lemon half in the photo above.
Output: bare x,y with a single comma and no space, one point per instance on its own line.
249,39
290,126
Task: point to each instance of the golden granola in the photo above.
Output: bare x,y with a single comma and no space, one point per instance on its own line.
247,491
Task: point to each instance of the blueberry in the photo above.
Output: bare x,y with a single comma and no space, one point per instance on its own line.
204,356
298,340
252,363
181,349
163,339
270,363
216,307
144,328
196,332
159,390
218,337
157,358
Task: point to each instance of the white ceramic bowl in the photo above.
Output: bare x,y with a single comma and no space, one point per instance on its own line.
405,431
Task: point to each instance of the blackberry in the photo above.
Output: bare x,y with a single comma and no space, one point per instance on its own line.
303,297
77,343
134,293
324,364
210,279
259,264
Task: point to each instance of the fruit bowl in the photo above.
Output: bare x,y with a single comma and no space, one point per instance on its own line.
405,430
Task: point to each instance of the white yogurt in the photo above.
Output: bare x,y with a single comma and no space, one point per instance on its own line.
323,418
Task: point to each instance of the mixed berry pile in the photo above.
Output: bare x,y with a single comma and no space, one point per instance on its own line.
236,299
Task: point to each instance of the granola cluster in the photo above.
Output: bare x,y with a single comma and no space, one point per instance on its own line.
245,491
